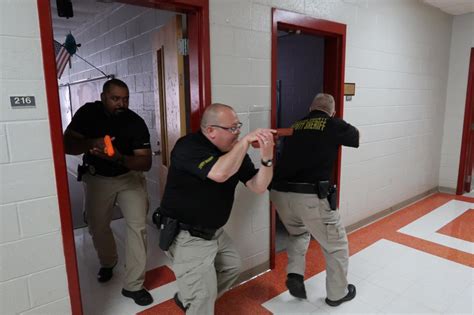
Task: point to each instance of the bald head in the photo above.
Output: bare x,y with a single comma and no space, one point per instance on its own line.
213,113
323,102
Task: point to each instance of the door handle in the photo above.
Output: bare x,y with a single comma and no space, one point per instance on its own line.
157,152
158,143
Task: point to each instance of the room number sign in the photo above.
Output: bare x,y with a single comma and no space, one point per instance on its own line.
22,101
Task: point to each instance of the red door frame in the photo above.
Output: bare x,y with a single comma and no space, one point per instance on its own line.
334,64
200,95
466,158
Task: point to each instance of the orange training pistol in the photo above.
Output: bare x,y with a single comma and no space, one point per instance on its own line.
280,132
109,148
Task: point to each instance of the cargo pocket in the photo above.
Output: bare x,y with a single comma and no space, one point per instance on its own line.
333,232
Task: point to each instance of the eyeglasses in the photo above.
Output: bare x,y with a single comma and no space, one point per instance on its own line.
233,129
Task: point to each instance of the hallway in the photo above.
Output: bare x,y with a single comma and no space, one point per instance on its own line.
417,260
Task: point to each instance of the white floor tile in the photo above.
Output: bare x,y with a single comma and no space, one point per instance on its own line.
287,304
401,305
373,295
426,226
463,304
362,267
395,283
356,306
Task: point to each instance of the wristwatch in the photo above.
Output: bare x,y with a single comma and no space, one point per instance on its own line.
267,163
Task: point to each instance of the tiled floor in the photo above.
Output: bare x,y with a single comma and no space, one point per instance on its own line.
418,260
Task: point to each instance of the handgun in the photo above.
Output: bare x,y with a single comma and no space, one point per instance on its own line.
280,132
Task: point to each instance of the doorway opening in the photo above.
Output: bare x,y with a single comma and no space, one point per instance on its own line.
300,76
466,160
307,58
118,42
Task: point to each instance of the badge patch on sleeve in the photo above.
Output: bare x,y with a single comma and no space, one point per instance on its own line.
206,161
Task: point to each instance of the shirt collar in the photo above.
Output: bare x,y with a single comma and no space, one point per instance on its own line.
206,141
317,113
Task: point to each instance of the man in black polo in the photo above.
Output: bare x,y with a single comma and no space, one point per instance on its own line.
114,179
205,169
301,195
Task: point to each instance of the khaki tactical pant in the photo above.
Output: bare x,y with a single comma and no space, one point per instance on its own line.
305,214
204,269
129,192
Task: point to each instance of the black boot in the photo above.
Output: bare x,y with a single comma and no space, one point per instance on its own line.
105,273
141,297
349,296
295,283
178,302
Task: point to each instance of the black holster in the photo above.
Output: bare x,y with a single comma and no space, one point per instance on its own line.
323,189
332,197
168,227
81,170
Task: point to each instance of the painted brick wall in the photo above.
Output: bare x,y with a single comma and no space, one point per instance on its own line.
397,54
461,42
31,251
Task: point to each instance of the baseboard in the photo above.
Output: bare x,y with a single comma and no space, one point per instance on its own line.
447,190
253,272
379,215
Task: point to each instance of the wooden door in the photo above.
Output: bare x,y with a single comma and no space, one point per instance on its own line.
466,159
470,150
169,83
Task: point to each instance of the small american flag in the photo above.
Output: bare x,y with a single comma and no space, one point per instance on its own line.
62,58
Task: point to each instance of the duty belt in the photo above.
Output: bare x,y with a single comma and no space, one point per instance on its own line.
205,233
199,231
302,188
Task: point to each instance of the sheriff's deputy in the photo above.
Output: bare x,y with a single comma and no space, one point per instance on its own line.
306,201
205,169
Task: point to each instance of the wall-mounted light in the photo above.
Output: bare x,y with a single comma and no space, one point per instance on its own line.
349,90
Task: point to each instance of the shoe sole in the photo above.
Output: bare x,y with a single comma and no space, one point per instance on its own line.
296,295
137,301
344,299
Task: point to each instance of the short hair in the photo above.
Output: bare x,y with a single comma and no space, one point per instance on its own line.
323,102
115,82
211,114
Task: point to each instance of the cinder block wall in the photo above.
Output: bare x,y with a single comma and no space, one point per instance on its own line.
461,43
32,270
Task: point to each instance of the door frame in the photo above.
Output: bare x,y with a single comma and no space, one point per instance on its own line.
467,151
334,35
197,13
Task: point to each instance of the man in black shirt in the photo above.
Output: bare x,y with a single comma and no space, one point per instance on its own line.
300,193
205,169
114,179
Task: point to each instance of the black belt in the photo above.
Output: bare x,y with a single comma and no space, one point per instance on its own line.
198,231
302,188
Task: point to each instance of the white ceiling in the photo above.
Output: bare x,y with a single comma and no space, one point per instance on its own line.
454,7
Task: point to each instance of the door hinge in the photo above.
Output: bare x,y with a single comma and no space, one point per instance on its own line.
183,46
